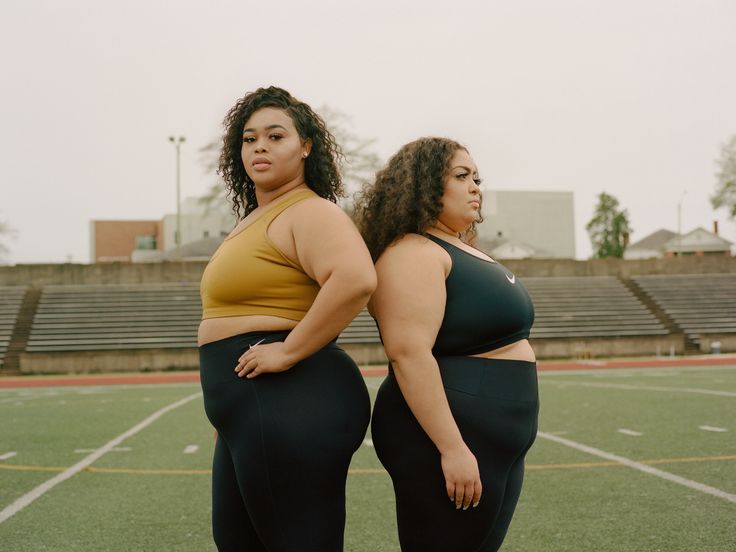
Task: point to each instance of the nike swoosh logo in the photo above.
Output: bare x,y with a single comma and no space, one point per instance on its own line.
511,278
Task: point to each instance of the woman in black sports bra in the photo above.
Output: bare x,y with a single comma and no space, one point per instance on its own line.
458,411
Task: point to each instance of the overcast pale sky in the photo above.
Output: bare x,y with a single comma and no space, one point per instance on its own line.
630,97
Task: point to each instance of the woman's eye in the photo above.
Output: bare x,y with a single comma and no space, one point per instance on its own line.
461,176
276,137
478,181
248,139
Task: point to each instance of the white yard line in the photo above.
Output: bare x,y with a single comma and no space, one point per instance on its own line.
647,388
634,370
630,432
7,455
641,467
116,449
46,486
711,428
191,449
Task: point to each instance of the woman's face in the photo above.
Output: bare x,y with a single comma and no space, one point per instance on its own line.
273,153
461,199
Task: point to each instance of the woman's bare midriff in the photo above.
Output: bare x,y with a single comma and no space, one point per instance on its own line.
214,329
520,350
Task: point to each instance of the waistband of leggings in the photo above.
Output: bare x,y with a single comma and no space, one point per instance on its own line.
488,376
251,338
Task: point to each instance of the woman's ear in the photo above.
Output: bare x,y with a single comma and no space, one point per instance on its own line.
306,148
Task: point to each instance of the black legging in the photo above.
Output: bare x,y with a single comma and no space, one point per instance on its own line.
284,444
495,405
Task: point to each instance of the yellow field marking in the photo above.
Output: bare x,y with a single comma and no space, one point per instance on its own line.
135,471
30,468
364,471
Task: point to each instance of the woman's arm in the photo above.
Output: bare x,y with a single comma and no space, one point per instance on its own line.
331,251
409,305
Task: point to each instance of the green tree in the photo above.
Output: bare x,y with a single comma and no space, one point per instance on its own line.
725,195
609,228
359,165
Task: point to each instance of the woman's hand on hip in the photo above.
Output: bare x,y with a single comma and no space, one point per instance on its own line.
261,359
462,477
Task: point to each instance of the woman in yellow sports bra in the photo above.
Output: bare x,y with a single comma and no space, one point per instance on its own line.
289,406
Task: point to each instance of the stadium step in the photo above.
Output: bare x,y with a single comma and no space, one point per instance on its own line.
22,330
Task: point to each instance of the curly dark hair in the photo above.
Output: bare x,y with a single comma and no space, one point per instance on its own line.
406,197
321,168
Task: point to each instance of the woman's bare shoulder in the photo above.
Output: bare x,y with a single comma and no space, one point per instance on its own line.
411,249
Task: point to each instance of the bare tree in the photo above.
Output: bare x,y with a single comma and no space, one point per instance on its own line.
6,231
725,194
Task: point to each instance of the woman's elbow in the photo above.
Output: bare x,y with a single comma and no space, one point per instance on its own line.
361,284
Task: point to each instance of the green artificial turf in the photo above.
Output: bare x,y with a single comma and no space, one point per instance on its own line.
152,495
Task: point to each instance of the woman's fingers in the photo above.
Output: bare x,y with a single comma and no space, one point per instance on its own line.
245,365
478,487
465,495
459,495
468,495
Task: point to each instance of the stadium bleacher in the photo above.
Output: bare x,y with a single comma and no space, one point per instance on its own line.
588,306
114,317
11,299
700,304
130,317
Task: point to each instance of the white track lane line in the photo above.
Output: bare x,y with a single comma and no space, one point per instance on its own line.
647,388
46,486
711,428
641,467
7,455
191,449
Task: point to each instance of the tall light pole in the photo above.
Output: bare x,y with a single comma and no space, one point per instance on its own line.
679,224
177,237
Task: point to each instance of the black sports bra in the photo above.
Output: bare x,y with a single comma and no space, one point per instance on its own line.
487,306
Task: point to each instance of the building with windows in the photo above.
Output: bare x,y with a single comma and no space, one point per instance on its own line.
116,240
151,241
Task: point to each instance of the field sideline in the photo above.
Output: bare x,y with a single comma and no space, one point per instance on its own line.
631,459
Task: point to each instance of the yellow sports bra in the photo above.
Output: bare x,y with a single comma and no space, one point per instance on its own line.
248,274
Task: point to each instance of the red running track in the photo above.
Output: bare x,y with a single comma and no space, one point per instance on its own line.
193,376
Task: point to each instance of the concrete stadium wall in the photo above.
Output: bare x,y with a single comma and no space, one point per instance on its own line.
85,362
188,359
102,273
169,272
598,347
727,341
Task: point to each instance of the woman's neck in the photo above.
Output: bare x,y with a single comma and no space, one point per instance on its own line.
265,197
444,231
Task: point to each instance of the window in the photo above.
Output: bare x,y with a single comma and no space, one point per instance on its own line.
146,243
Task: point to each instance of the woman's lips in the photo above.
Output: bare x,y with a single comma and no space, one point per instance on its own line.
260,164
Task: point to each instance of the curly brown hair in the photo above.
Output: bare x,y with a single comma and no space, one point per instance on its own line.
406,197
321,168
